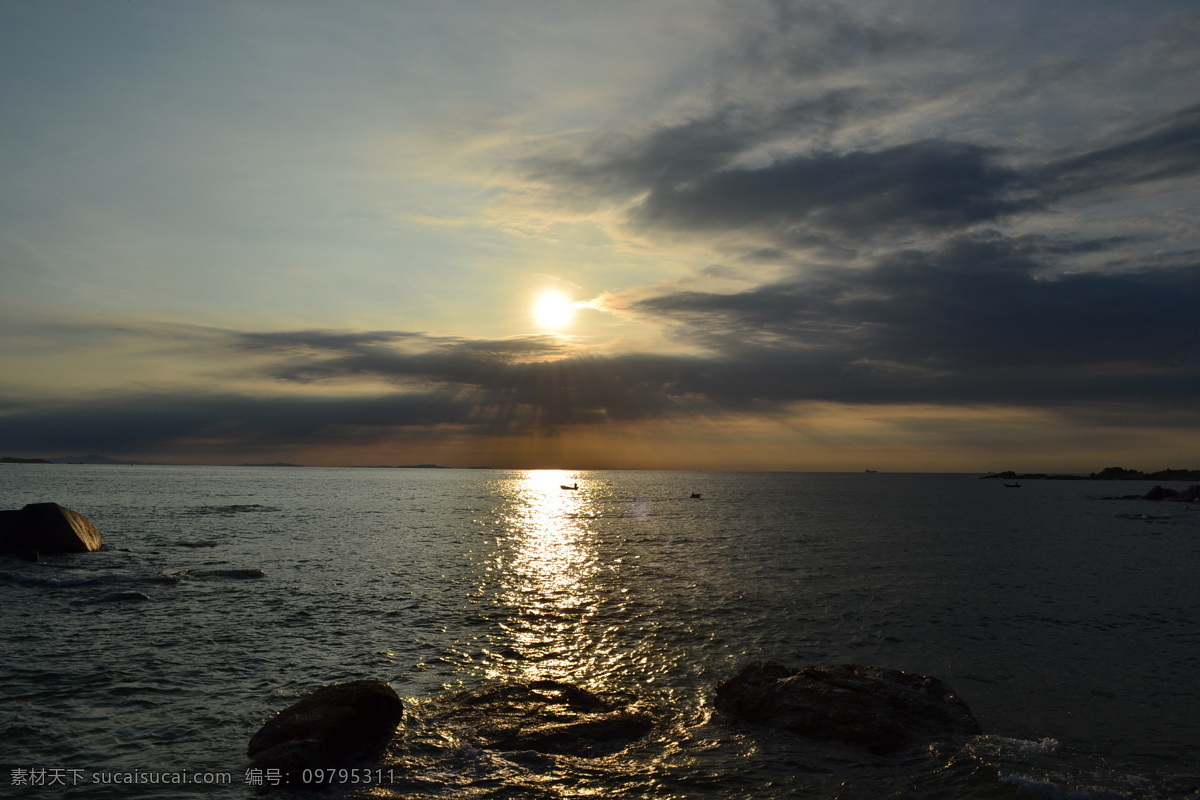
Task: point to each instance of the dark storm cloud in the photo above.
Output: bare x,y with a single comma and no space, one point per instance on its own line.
666,155
511,385
687,177
712,172
929,184
143,423
791,43
476,387
1169,148
977,320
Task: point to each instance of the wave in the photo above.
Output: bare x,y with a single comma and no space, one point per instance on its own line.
28,579
1052,791
251,508
41,580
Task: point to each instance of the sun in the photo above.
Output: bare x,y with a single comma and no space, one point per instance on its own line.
553,310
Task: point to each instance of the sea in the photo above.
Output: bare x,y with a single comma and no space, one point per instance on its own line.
1067,620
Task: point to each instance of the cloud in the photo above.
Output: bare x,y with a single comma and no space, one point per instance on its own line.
670,153
862,160
979,319
181,422
782,42
929,184
824,202
1165,149
687,178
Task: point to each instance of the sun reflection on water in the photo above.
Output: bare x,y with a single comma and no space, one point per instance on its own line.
548,569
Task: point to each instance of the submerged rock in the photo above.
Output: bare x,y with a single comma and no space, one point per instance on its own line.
47,528
327,728
125,597
882,710
208,574
546,716
587,735
237,574
1188,495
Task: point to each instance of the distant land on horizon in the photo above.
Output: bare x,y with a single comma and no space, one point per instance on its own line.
92,459
106,461
1106,474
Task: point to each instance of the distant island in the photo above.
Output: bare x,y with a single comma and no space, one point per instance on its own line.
272,464
92,459
1106,474
405,466
105,461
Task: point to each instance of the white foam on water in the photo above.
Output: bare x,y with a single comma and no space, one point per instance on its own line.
1050,790
1003,748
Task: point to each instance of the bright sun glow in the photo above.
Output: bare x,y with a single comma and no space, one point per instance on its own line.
553,310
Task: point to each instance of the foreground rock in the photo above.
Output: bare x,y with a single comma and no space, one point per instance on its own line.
327,728
47,529
882,710
546,716
1188,495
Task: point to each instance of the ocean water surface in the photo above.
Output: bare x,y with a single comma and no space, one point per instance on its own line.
1068,622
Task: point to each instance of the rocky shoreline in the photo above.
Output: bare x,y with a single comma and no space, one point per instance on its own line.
1106,474
361,725
1188,495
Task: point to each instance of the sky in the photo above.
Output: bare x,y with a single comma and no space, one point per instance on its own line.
931,235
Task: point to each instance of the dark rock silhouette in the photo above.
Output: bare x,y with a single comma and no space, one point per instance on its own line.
327,728
1106,474
1122,474
882,710
1188,495
1116,474
47,528
209,574
236,574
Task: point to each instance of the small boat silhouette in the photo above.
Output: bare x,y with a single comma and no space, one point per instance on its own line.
564,486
